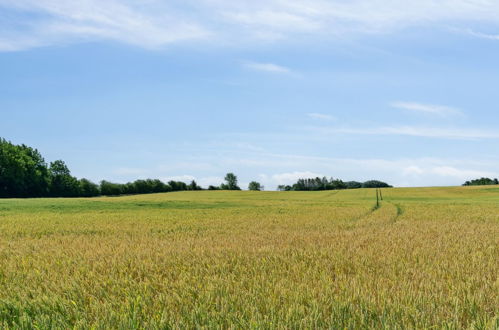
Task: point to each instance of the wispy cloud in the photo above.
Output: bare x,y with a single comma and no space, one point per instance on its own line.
292,177
335,17
202,181
272,169
443,133
126,171
13,45
55,22
439,110
182,178
266,67
321,116
461,173
153,24
482,35
440,170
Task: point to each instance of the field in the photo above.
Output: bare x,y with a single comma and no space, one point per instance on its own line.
427,257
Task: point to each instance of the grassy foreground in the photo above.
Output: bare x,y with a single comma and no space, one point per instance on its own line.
425,258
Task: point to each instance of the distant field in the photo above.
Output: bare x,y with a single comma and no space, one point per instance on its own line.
428,257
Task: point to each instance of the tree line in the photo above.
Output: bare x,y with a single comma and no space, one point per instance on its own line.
315,184
24,173
482,182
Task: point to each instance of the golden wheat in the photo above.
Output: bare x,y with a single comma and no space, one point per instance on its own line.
425,258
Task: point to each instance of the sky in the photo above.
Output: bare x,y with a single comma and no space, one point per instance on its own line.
273,90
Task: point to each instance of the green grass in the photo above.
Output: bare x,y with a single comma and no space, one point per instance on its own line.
428,257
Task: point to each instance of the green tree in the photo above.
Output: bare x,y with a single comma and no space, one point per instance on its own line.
177,185
193,186
375,184
481,182
353,184
283,187
88,188
111,189
253,185
230,182
23,171
62,184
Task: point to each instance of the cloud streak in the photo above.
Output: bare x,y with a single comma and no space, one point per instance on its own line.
449,171
154,24
267,67
65,21
277,169
321,116
415,131
483,35
292,177
439,110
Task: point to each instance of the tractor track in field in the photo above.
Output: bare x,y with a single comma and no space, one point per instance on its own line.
366,215
400,211
335,192
390,219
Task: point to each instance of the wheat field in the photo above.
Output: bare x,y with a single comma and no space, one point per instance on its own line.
426,258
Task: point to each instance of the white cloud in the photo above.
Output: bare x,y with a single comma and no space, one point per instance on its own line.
439,110
247,146
321,116
126,171
12,45
183,178
156,23
399,172
413,170
210,181
482,35
416,131
339,17
61,21
202,181
289,178
275,20
273,169
430,170
266,67
461,173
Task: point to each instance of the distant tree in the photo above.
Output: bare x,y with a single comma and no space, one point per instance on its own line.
62,184
111,189
37,174
177,185
284,188
88,188
314,184
159,186
23,171
335,185
194,186
353,184
128,188
143,186
375,184
230,182
213,188
482,182
253,185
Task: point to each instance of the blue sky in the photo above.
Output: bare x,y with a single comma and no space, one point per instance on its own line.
401,91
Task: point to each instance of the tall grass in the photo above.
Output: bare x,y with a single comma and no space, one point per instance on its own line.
425,258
